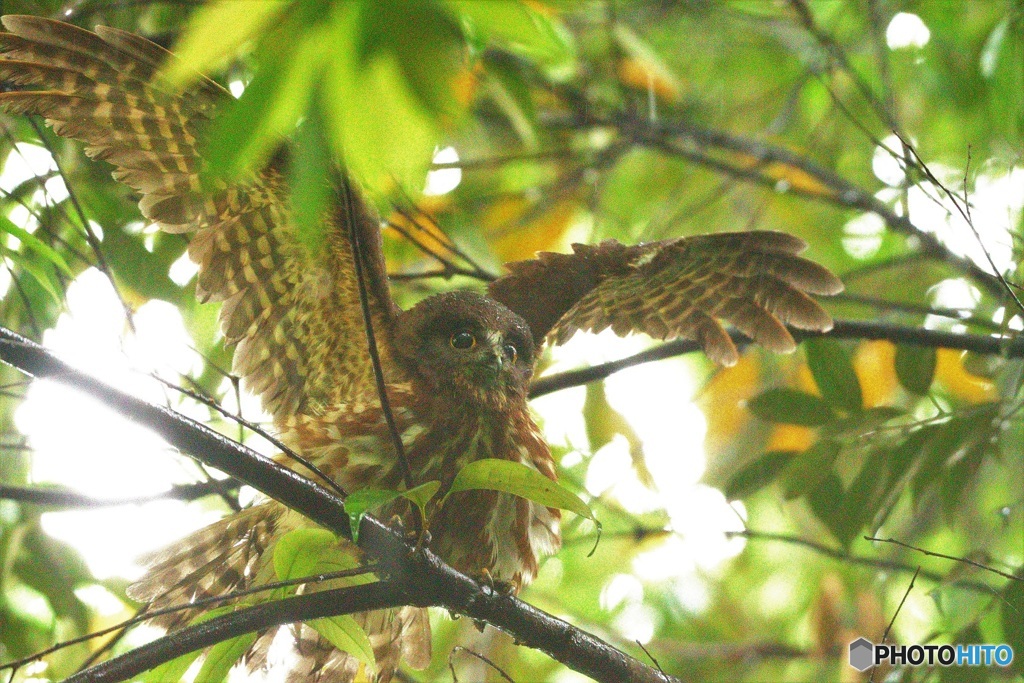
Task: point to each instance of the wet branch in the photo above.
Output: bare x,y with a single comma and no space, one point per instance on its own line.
417,576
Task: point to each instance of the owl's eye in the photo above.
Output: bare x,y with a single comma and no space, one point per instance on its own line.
511,352
462,341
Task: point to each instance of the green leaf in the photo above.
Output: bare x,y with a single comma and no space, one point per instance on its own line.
392,140
1012,612
915,368
176,668
508,87
426,44
790,406
518,479
222,656
35,244
172,670
959,477
248,130
309,552
834,374
863,498
144,272
807,470
758,474
862,424
421,495
312,195
958,435
825,502
298,551
358,503
215,33
348,636
37,271
515,23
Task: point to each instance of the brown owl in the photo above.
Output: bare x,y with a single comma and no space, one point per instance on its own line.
456,367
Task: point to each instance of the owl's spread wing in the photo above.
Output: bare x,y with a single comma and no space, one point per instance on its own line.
674,288
294,315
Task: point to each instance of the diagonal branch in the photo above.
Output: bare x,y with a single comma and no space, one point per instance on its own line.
285,611
426,579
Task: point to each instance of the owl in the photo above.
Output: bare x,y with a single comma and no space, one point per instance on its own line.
456,367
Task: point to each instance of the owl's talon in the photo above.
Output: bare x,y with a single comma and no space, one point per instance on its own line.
497,585
422,539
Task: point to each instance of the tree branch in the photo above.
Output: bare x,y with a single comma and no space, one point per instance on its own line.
424,578
67,498
688,141
843,329
285,611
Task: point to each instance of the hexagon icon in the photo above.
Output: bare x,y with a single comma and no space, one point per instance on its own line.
862,654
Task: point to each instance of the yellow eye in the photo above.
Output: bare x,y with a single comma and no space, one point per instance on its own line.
511,353
462,341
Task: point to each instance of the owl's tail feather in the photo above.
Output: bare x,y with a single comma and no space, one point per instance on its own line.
396,635
235,554
223,557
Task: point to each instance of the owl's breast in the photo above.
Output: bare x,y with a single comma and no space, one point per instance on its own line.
475,531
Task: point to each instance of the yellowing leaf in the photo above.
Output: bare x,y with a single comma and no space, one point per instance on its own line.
722,401
520,480
516,234
648,76
794,177
874,362
425,232
790,438
950,371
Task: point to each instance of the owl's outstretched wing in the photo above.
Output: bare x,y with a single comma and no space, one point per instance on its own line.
674,288
294,314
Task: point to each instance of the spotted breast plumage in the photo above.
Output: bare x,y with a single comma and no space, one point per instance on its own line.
457,366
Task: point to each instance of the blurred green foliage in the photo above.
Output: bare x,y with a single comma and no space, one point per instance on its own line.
635,120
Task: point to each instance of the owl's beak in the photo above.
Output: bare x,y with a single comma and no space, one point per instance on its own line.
491,357
494,360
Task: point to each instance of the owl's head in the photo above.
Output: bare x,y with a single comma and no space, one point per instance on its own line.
467,346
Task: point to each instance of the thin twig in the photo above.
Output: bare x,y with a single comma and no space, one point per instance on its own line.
446,273
371,340
893,620
255,428
146,615
649,656
485,660
930,553
965,214
848,558
90,235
